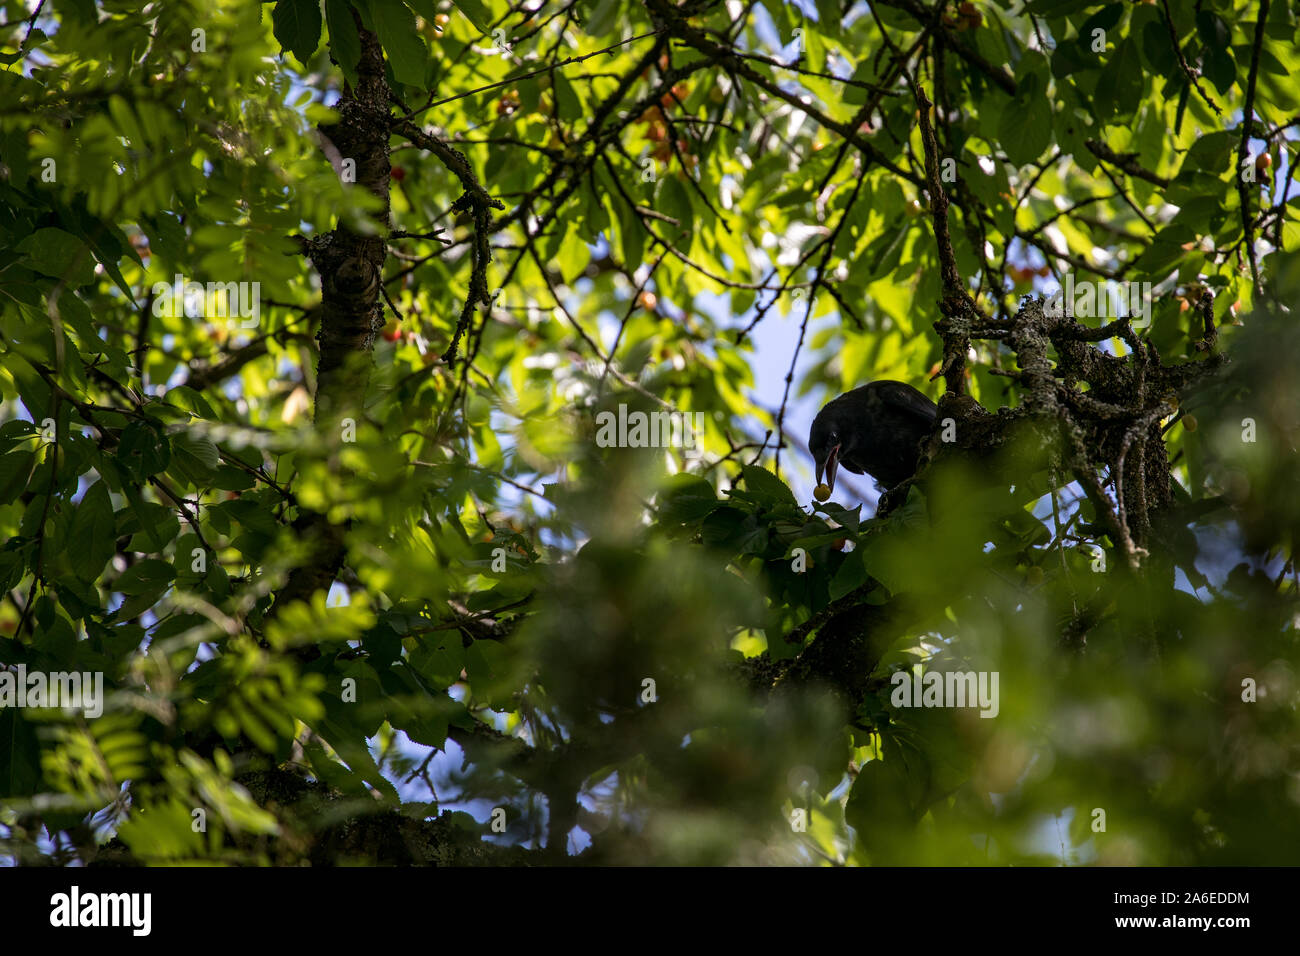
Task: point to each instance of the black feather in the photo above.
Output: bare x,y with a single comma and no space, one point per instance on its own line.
878,428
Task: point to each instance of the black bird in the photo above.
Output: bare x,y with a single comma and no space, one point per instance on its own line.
876,429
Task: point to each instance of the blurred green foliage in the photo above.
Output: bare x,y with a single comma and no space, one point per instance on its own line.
639,654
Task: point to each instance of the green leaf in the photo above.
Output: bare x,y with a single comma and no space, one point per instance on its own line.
60,254
297,25
1157,47
20,755
686,498
15,471
182,396
439,664
1217,37
1025,127
150,525
251,513
633,236
351,746
1211,153
1291,235
395,24
675,201
488,666
11,571
841,515
91,538
851,575
144,449
888,795
143,577
1119,89
477,12
766,487
567,103
195,457
81,10
345,44
230,478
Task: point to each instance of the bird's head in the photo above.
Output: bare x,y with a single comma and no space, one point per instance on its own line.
825,444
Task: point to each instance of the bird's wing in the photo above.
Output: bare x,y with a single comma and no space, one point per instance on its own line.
907,399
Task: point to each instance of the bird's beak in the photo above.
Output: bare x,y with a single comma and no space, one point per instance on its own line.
830,466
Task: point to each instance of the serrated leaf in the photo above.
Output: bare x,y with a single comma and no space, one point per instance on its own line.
767,487
91,537
143,577
1025,129
195,456
60,254
686,498
144,449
